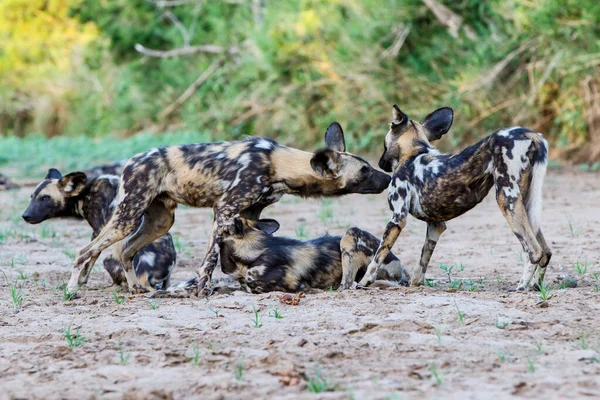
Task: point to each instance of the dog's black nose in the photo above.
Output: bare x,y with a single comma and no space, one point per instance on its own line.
26,217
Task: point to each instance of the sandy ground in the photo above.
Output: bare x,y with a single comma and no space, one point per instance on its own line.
395,343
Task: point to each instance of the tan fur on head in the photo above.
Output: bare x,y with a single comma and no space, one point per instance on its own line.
405,135
52,190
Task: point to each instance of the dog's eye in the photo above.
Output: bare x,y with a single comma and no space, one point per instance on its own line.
45,198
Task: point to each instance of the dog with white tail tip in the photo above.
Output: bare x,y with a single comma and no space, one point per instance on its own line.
436,187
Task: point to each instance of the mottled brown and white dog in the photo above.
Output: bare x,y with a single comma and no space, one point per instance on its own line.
79,196
234,178
436,187
264,263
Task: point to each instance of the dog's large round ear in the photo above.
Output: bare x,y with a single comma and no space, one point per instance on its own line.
72,184
326,163
53,173
334,138
438,123
268,226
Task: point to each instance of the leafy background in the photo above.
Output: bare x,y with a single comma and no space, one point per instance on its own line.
289,68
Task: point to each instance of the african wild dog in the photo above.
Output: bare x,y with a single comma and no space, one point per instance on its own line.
76,195
241,177
114,168
263,263
436,187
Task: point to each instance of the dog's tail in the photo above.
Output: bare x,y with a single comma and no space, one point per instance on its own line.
189,284
538,172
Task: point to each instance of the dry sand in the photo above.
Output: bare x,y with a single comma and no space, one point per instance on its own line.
399,343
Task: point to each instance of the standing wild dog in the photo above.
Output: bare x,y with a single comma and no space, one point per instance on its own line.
435,187
263,263
241,177
76,195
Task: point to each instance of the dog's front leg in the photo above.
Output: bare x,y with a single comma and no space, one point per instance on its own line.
234,203
434,231
392,231
210,259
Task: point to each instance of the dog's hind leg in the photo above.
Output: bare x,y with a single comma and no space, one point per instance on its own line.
513,209
356,253
390,235
157,221
537,282
532,189
519,166
434,231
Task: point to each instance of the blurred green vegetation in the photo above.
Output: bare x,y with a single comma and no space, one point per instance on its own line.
30,157
300,65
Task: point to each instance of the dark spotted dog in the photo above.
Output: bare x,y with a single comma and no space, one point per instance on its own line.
263,263
7,184
115,168
241,177
435,187
76,195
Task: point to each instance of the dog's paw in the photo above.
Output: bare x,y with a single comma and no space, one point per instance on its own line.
138,289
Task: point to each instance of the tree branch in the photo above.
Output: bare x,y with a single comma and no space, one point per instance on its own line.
185,51
191,89
174,3
180,27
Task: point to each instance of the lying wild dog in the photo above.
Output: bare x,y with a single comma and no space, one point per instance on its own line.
263,263
435,187
114,168
76,195
7,184
241,177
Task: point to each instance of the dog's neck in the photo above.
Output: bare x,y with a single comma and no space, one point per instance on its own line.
417,148
292,169
292,165
93,204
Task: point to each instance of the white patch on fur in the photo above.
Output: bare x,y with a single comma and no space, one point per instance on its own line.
263,144
243,161
151,153
534,202
515,166
68,187
148,258
220,155
432,167
512,128
419,168
399,205
360,242
415,204
503,132
258,270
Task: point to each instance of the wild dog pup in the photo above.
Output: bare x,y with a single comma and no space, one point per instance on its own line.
241,177
76,195
436,187
264,263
